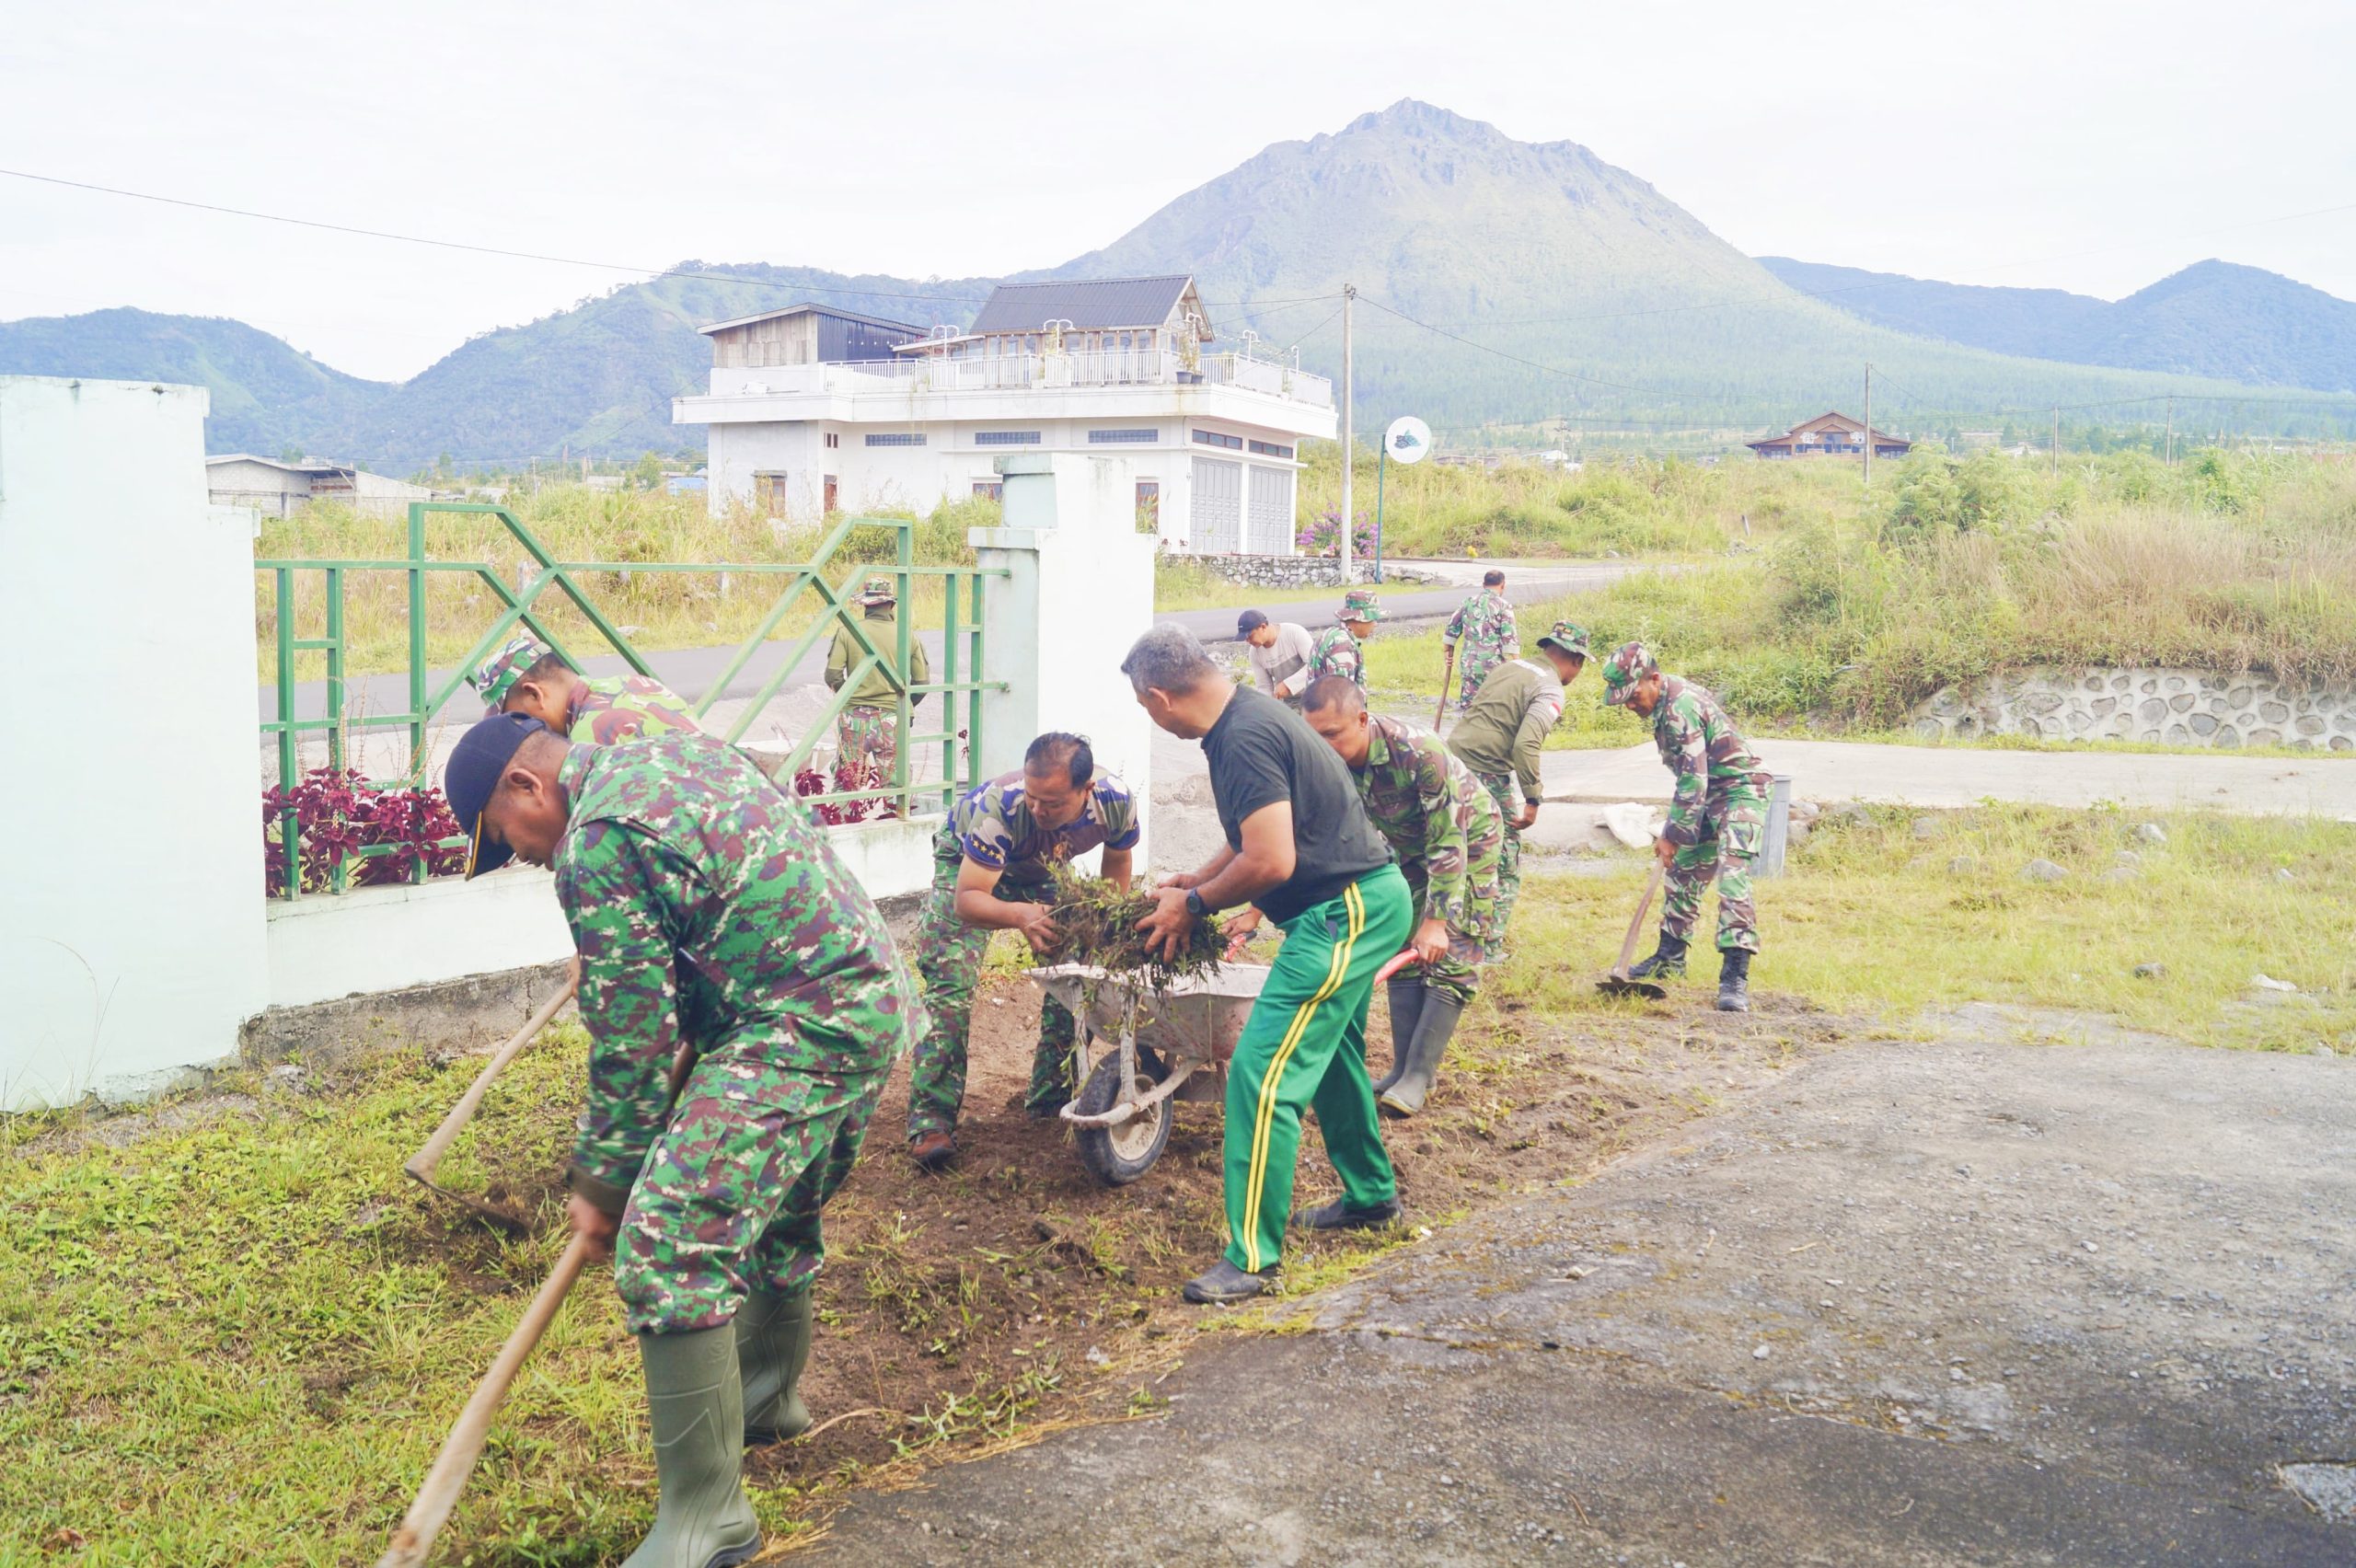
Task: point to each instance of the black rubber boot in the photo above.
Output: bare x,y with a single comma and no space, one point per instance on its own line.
1339,1215
1734,980
1667,963
1223,1284
1406,993
1433,1029
695,1404
772,1347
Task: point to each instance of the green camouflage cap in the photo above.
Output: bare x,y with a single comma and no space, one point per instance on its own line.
879,590
497,675
1568,637
1628,664
1359,604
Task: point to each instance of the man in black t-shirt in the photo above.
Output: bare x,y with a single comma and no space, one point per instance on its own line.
1300,849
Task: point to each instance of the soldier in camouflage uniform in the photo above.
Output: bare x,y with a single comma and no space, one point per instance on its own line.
993,862
744,1006
526,677
1340,648
1443,826
1716,821
867,735
1500,738
1483,624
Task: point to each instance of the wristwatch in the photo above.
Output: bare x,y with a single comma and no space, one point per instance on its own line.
1195,906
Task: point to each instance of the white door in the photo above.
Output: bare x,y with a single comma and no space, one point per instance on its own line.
1218,507
1271,515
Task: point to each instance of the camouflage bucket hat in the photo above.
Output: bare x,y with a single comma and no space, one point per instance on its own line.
879,590
1628,664
497,675
1568,637
1359,604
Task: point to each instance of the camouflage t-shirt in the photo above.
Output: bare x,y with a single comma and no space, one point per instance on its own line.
993,825
1337,653
708,907
1484,624
1700,745
614,709
1426,803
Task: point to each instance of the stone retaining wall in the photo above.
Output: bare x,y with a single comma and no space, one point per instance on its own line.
1300,571
2183,708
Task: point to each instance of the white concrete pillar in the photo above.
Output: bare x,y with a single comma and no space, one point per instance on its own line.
130,896
1080,591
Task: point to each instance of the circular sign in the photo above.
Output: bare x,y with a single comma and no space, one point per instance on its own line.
1409,439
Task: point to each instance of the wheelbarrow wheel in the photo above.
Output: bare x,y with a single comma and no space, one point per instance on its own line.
1118,1156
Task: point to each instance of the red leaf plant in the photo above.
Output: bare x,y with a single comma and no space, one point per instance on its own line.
338,813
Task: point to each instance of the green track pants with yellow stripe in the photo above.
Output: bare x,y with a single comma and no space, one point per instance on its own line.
1305,1046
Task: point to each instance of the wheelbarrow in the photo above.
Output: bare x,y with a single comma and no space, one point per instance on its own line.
1141,1048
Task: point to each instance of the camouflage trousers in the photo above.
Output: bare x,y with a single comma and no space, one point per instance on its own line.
1475,670
1457,974
1734,822
868,738
729,1197
1503,788
948,956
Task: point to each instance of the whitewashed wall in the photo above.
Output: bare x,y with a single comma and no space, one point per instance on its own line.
131,909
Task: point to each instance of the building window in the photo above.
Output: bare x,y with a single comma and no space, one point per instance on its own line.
989,490
1120,437
1148,506
894,438
833,439
768,493
1270,449
1213,438
1006,438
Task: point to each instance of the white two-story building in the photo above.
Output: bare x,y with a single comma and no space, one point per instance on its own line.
814,410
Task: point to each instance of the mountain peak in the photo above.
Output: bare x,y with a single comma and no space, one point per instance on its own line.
1416,117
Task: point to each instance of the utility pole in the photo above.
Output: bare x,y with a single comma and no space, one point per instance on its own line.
2171,445
1350,448
1869,425
2055,449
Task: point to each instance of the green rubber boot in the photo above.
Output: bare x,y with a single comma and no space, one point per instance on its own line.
773,1346
1406,1094
696,1405
1406,993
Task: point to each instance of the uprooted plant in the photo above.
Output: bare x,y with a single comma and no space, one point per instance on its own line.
1096,923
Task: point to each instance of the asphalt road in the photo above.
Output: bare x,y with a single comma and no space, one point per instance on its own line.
1969,1301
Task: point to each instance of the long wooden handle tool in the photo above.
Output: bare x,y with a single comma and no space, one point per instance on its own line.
1644,907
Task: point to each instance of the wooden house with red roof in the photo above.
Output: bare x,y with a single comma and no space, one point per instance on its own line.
1829,435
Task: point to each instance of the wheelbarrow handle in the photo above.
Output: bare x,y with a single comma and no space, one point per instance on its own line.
1395,965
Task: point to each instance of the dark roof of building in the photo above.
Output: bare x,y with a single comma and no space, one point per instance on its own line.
1089,304
836,311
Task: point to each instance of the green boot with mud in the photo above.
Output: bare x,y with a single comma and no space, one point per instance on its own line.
1667,963
1407,999
1734,980
772,1348
1406,1094
695,1402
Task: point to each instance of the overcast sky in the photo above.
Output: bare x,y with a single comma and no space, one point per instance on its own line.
2073,143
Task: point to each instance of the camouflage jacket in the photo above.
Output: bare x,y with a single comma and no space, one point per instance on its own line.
614,709
1699,744
1337,653
1505,729
876,690
1484,625
709,907
992,826
1426,802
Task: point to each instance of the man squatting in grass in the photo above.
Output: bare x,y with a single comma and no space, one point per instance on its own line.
1279,651
993,863
1340,648
526,677
1444,828
1500,738
1300,849
744,1006
1716,821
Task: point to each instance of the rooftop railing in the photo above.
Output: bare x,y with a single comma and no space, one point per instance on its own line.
993,373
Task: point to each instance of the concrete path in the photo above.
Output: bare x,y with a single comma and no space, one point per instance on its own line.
1962,775
1967,1302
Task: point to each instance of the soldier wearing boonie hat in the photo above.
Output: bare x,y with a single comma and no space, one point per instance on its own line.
1340,649
1500,737
867,734
527,677
745,1005
1715,819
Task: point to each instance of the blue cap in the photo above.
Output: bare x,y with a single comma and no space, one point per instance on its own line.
471,775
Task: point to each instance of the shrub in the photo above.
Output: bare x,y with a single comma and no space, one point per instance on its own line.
339,813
